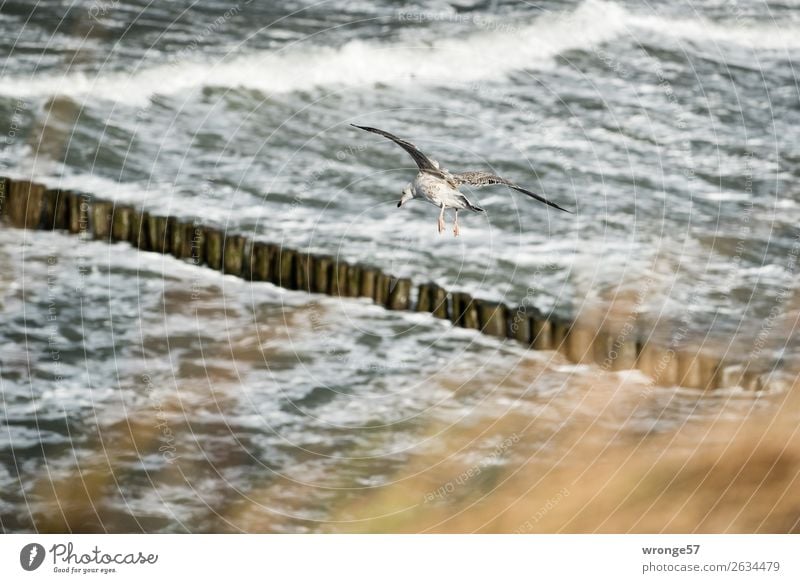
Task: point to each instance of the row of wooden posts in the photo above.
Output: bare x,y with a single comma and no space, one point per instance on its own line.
29,205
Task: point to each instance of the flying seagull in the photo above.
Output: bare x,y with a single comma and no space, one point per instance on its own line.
440,188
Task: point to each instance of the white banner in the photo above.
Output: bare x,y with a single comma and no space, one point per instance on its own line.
400,558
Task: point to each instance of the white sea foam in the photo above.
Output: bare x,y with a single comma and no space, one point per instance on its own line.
484,55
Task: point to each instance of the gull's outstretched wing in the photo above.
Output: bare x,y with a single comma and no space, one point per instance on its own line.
478,179
423,162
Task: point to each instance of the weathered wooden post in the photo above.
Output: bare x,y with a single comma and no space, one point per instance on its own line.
339,281
158,233
559,328
518,325
660,364
709,371
354,273
5,186
121,223
273,271
739,375
368,278
262,261
195,238
78,204
464,312
138,232
233,254
302,271
440,304
697,370
399,294
541,331
424,303
615,351
579,344
55,212
102,211
323,272
492,318
456,310
646,358
176,245
25,204
381,288
213,247
286,269
689,370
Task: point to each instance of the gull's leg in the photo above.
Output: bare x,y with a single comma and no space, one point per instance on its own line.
455,225
441,220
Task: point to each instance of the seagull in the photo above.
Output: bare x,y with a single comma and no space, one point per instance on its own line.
440,187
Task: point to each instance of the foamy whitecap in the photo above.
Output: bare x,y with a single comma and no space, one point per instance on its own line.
490,54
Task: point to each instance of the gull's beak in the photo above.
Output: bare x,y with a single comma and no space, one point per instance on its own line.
399,203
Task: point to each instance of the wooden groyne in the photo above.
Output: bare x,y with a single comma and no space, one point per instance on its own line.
28,205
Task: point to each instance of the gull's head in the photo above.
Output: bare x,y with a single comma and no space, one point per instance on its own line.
408,194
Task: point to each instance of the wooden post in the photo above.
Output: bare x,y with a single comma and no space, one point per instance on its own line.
660,364
399,294
49,202
213,247
579,344
139,236
233,254
492,318
465,312
559,328
381,288
646,358
709,372
247,258
739,375
615,351
176,244
439,303
5,187
158,233
469,318
354,273
424,303
121,223
261,261
78,204
456,308
302,271
102,211
368,277
690,373
194,237
774,381
339,279
55,211
518,325
541,332
323,273
25,204
286,269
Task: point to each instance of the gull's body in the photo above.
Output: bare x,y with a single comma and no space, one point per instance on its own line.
440,188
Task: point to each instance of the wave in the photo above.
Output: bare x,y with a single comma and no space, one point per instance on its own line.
491,53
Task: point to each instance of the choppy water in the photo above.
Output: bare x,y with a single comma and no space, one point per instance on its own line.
672,130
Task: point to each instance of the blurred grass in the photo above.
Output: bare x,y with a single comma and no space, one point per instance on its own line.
724,476
601,470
